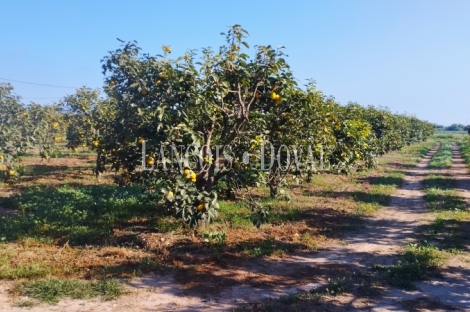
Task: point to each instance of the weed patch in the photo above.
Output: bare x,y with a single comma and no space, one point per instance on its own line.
443,157
51,291
414,265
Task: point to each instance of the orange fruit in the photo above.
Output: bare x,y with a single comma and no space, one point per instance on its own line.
201,207
150,161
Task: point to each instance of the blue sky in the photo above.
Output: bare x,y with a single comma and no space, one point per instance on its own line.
412,56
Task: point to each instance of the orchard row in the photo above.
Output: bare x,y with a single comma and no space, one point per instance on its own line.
218,98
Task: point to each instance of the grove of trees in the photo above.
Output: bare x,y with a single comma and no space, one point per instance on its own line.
207,126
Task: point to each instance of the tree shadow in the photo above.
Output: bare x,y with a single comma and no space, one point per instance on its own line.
395,181
77,214
357,196
448,234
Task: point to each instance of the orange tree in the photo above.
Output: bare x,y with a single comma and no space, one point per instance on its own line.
226,100
391,131
79,108
203,124
295,129
15,132
88,118
49,128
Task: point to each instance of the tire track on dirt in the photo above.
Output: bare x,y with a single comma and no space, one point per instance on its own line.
453,287
384,235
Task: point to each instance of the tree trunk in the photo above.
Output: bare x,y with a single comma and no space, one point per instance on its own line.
273,190
309,177
99,165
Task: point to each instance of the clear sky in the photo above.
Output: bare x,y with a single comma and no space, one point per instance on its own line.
412,56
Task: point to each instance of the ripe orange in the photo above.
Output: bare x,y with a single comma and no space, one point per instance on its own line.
201,207
150,161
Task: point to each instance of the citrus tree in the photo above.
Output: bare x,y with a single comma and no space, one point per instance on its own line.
227,100
15,132
203,123
79,108
89,119
49,128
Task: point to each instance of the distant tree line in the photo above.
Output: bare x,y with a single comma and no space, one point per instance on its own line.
452,127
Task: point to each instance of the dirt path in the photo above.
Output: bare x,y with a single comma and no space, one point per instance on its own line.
453,287
384,235
459,172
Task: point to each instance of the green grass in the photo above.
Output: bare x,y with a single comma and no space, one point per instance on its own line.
465,149
443,157
13,271
440,194
26,304
415,264
168,224
378,196
450,227
79,214
52,290
366,208
412,154
270,247
236,214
